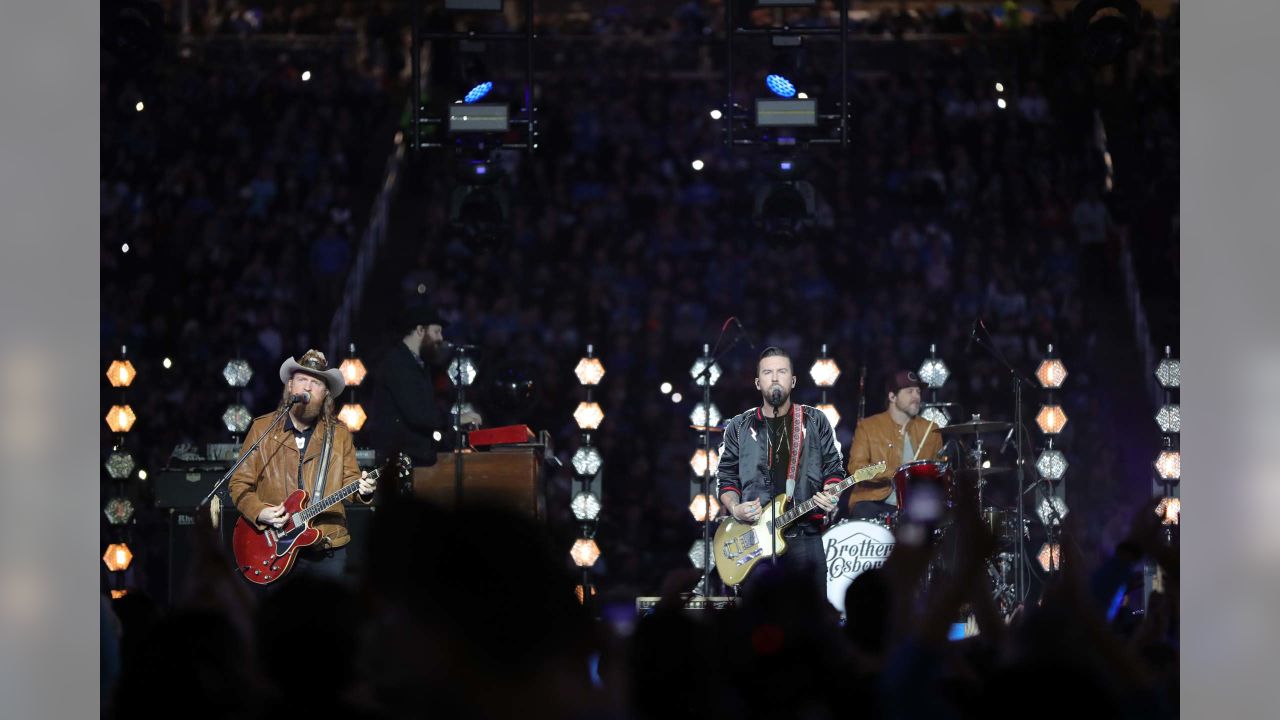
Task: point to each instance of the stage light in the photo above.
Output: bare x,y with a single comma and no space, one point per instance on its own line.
780,86
697,165
1051,509
936,415
699,462
590,371
824,371
1050,557
588,415
236,418
353,416
587,461
1000,87
585,552
716,114
1051,373
1170,510
833,415
676,397
237,373
120,418
665,388
142,474
353,371
1051,464
118,511
306,76
124,248
462,371
698,507
698,555
119,465
1051,419
139,106
1169,465
802,96
121,373
1169,373
934,372
117,557
478,92
1169,418
712,375
1000,103
585,506
167,363
117,594
704,415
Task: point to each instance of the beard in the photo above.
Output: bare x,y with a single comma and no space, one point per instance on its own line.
776,396
436,353
310,412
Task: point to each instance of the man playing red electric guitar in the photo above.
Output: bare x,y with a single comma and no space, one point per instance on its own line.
294,455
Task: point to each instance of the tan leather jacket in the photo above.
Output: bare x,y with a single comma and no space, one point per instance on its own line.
877,438
271,473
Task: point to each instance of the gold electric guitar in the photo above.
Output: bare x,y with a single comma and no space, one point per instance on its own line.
738,546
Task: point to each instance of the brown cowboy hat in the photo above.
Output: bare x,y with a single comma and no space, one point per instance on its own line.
314,363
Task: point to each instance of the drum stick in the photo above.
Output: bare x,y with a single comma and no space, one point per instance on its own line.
922,439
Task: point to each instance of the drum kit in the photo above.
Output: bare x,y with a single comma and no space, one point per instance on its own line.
925,491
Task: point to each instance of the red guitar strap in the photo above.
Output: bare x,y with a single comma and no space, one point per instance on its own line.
797,443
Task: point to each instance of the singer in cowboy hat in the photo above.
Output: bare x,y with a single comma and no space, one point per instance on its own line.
292,457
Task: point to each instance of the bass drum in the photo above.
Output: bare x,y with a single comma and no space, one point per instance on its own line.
852,548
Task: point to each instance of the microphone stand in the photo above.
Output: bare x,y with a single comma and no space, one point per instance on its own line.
459,358
1020,562
705,376
240,461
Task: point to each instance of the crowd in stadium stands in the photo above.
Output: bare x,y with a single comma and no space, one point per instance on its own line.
240,188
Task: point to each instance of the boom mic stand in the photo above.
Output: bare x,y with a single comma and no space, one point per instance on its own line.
243,456
1019,381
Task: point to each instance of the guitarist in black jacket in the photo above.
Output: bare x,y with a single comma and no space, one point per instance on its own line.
782,447
404,416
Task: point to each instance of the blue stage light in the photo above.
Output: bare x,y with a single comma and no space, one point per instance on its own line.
478,92
780,86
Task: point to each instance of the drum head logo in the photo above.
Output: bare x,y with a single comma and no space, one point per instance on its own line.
853,548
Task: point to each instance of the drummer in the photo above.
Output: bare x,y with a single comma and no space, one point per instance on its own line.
897,436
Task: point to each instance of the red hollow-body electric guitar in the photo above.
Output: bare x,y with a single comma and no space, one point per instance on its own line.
265,556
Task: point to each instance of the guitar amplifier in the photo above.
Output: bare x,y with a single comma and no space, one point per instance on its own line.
184,489
648,605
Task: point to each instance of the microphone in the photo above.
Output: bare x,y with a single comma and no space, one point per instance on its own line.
775,397
973,335
1007,438
303,398
745,336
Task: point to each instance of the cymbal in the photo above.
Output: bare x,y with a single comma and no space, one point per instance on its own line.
705,428
976,427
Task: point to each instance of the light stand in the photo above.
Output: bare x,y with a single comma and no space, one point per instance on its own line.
461,385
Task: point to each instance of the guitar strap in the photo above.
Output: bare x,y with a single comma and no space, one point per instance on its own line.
325,452
797,443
